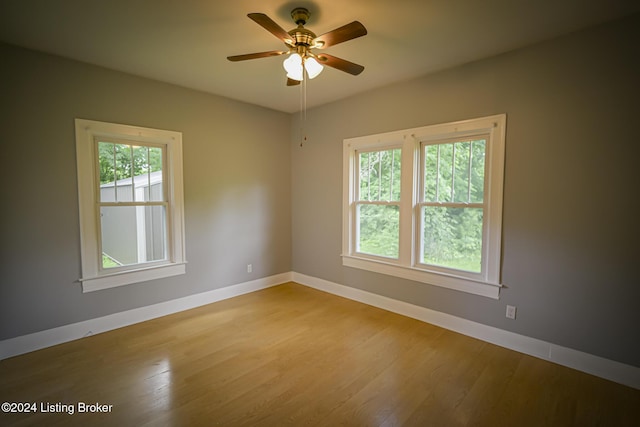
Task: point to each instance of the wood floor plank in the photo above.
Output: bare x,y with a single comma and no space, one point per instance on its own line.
292,356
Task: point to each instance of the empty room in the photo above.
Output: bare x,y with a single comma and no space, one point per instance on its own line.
317,213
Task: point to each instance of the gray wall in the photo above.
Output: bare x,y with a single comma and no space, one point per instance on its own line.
571,220
253,195
237,185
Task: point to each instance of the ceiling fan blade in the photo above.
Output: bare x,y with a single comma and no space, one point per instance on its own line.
255,55
268,24
292,82
340,64
342,34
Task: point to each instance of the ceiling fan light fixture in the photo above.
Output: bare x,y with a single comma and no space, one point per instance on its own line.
293,66
300,42
313,67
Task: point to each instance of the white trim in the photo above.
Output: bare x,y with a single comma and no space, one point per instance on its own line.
93,277
594,365
107,281
408,266
443,279
38,340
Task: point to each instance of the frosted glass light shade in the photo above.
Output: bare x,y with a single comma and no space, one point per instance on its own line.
313,67
293,66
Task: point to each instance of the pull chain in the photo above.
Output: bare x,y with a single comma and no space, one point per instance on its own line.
303,107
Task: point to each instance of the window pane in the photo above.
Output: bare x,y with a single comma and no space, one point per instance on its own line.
461,169
132,234
444,173
124,185
116,163
141,171
452,237
477,170
378,230
106,159
156,191
430,172
147,162
454,172
380,175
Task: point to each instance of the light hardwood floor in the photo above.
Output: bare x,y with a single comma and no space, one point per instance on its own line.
291,355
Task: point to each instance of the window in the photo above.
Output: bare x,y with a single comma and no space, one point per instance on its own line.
378,202
131,204
426,204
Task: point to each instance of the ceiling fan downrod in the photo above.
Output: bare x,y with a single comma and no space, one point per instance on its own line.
300,15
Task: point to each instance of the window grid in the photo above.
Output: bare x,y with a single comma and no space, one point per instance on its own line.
447,202
140,203
366,201
467,193
437,202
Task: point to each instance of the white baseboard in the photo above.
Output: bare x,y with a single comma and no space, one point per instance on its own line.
31,342
604,368
594,365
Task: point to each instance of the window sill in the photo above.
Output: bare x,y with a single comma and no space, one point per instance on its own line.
437,279
106,281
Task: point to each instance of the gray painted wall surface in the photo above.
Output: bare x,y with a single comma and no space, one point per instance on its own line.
237,185
571,225
571,228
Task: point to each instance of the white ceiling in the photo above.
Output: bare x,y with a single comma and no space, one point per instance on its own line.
186,42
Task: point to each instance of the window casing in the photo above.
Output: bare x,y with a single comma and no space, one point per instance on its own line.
131,204
449,204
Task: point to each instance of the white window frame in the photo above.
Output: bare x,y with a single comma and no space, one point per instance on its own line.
95,278
407,266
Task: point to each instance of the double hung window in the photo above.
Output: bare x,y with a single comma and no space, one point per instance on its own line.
426,204
131,208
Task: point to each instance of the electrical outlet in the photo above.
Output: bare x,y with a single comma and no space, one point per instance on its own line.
249,268
511,312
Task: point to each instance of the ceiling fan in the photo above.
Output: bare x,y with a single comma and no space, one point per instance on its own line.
300,42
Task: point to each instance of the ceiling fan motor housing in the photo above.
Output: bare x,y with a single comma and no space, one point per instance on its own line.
301,36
